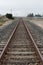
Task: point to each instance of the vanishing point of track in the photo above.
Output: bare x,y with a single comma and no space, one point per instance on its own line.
21,48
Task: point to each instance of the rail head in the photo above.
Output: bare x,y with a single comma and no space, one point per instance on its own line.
37,49
7,43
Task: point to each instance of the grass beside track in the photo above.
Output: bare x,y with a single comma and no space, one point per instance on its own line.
1,21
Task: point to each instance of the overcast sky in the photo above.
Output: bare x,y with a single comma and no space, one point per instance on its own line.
21,7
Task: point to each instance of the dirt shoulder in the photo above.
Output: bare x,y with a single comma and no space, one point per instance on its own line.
6,23
39,23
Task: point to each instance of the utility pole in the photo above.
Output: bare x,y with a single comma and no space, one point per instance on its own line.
11,10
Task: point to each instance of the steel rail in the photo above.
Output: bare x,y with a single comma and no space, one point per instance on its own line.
5,48
36,48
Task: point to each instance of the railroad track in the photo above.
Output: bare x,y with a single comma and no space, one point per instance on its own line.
37,34
5,34
21,48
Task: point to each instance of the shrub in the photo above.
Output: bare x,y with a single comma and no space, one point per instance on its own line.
38,15
9,16
30,15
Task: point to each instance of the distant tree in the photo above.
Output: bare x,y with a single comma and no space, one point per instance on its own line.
30,15
9,16
38,15
42,15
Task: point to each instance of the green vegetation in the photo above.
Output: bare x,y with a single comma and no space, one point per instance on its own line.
5,18
38,15
32,15
1,21
9,16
